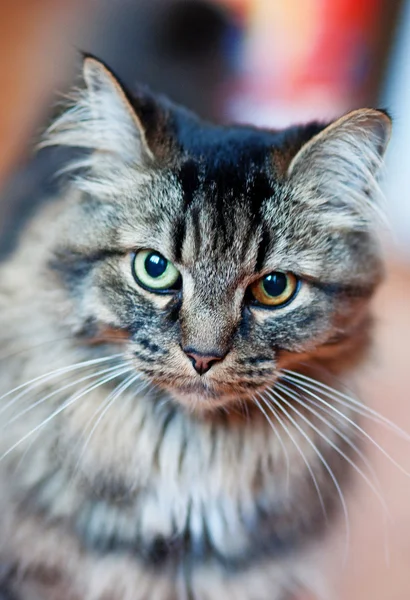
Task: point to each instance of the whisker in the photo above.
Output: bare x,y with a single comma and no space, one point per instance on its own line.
322,459
305,460
26,451
28,348
28,386
298,399
331,413
279,438
102,406
59,390
345,400
245,409
7,338
355,425
65,405
108,402
377,491
328,411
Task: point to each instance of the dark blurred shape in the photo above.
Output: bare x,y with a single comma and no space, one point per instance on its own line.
191,31
176,47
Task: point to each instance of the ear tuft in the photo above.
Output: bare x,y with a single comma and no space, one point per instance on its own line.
101,120
338,168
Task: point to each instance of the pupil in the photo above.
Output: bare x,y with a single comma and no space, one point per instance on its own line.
155,265
275,284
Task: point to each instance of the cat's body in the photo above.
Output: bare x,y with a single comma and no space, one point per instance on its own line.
203,485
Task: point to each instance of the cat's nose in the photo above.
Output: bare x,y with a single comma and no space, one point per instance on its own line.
202,362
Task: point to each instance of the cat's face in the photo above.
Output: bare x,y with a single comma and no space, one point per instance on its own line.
218,256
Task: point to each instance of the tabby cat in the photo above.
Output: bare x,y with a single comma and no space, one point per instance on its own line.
175,325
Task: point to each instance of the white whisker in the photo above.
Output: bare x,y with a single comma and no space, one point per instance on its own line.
108,402
355,425
28,386
59,390
320,456
65,405
298,399
345,400
305,460
279,438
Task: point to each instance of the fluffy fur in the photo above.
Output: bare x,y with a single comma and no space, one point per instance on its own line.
124,474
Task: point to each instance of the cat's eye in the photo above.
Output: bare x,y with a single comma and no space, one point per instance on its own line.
275,289
154,272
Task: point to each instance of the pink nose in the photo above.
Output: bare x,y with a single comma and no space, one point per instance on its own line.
202,362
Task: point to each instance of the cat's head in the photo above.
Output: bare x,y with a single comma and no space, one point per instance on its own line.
217,254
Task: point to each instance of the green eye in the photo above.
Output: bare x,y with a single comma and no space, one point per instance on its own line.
275,289
154,272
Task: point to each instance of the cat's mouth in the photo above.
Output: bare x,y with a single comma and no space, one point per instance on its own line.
225,384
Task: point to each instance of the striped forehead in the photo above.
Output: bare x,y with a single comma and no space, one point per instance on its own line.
221,214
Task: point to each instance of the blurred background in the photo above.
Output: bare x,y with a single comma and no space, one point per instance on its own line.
266,62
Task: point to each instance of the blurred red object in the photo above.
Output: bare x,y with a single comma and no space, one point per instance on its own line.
304,58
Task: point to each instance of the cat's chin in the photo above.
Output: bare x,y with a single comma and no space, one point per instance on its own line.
203,400
198,404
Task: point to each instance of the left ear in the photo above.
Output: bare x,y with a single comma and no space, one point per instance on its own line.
339,166
102,120
115,122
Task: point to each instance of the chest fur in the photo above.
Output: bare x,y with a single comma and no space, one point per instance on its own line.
173,498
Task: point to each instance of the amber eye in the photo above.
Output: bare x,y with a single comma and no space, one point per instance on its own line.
275,289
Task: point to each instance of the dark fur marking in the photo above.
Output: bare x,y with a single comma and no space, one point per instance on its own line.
248,385
264,246
189,180
245,325
259,189
348,291
196,225
146,358
179,238
88,329
152,347
255,360
255,372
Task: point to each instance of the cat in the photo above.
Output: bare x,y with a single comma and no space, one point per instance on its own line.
174,327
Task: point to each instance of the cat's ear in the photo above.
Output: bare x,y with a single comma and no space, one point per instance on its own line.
115,124
338,168
102,120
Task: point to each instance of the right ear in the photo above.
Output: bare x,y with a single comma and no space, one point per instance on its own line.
102,120
338,169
